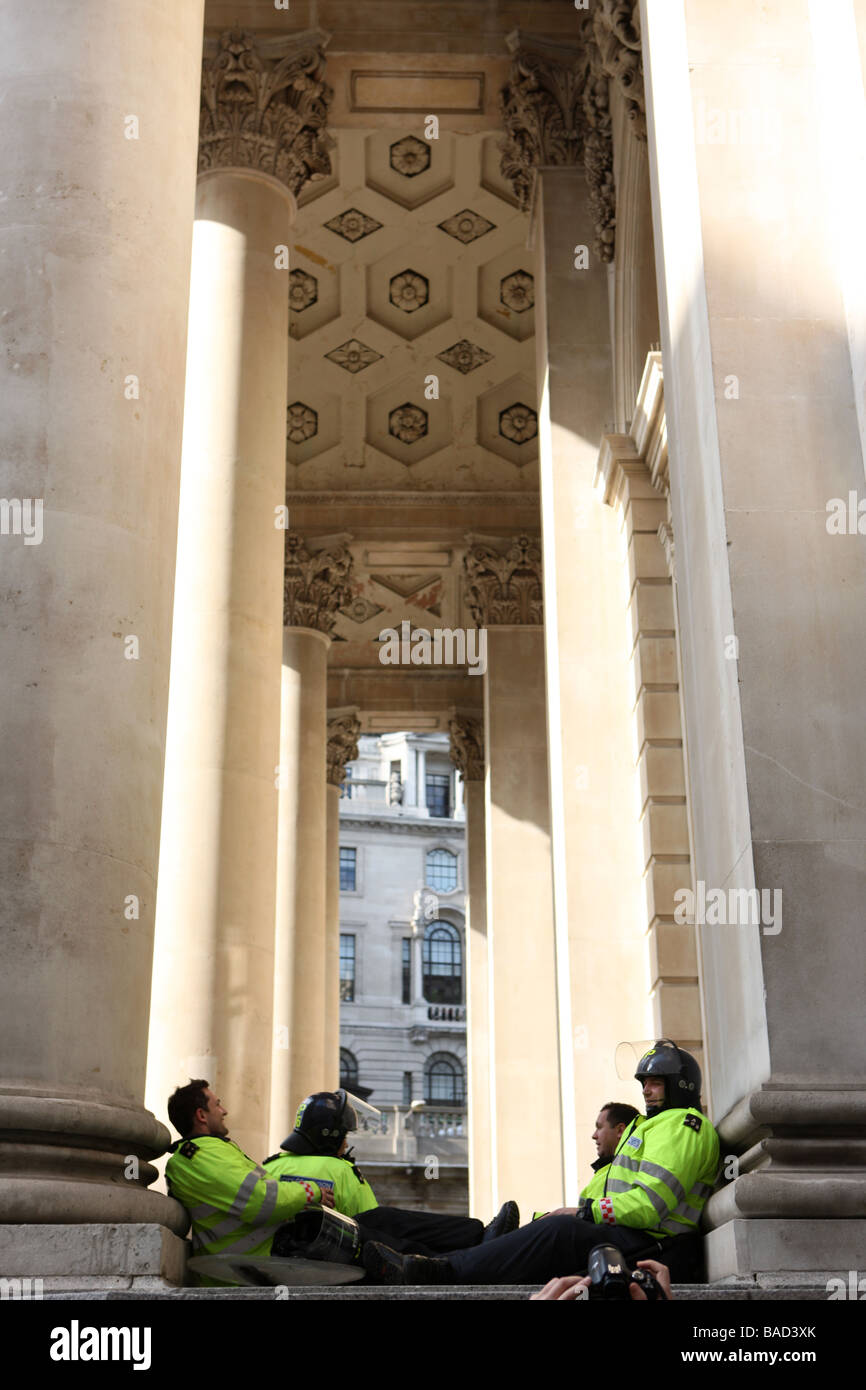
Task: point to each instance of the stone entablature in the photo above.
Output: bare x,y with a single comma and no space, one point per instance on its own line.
265,106
315,585
503,582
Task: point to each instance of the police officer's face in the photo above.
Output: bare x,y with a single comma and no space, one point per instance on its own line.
606,1136
654,1090
215,1116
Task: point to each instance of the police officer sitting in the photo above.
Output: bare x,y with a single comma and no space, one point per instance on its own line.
610,1123
664,1169
235,1207
317,1151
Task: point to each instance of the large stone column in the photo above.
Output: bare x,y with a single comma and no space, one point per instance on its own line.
467,753
503,586
556,112
760,365
343,730
316,585
261,129
97,151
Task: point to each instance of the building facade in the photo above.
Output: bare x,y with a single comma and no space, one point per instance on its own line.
328,353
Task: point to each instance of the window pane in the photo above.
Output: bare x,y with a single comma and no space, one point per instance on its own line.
444,1080
347,969
347,870
442,961
407,970
348,1070
438,793
442,870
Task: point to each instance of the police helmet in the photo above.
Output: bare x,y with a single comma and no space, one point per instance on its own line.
679,1071
321,1124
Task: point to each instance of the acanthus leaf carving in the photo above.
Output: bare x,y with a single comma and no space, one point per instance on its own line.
343,734
315,585
504,586
467,746
265,112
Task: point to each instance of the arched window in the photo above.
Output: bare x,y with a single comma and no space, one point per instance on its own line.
442,961
348,1070
444,1083
442,870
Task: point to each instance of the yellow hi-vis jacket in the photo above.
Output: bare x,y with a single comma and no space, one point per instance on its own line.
234,1206
661,1175
352,1192
595,1186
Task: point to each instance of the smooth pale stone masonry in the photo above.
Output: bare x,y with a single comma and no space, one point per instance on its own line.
97,153
300,958
527,1154
477,1007
213,992
763,431
331,1073
595,836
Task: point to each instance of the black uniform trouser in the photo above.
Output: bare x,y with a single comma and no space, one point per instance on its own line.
545,1249
419,1232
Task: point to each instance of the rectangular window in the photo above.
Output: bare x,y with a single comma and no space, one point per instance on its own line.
438,793
407,970
348,866
347,969
407,1088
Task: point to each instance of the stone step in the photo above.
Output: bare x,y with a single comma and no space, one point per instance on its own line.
740,1292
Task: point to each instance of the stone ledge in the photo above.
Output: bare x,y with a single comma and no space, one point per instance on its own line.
72,1259
489,1293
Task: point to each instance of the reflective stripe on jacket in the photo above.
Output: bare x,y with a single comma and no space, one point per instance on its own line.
661,1175
352,1193
233,1205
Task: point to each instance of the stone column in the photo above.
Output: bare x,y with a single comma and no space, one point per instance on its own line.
316,585
467,753
421,778
760,369
503,588
97,156
343,730
560,152
263,107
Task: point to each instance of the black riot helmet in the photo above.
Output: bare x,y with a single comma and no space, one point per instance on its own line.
323,1121
679,1071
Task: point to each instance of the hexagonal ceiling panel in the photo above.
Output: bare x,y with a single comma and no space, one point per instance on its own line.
404,424
507,424
408,170
506,294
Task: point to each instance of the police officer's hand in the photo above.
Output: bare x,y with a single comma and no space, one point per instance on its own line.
327,1197
573,1286
663,1276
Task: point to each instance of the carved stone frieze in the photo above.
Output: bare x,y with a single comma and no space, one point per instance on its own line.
265,107
503,584
556,107
467,746
342,746
315,586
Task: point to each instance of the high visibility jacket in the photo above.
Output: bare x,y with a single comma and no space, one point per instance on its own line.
234,1206
595,1186
352,1192
661,1175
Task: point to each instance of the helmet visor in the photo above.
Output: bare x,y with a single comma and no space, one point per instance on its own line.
629,1054
357,1114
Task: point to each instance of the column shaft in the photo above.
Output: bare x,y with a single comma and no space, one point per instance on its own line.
98,124
212,998
477,1023
524,1047
300,941
331,1075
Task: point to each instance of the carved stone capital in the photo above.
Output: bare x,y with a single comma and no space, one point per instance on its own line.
315,585
467,746
666,536
342,746
265,107
503,582
556,106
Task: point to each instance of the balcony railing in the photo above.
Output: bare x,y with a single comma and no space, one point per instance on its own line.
446,1013
403,1135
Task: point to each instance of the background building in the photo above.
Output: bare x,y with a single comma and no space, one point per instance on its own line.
403,964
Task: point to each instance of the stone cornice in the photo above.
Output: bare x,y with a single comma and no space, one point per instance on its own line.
432,829
467,746
503,582
315,585
265,106
645,447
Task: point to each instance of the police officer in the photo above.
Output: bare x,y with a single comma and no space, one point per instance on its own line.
317,1151
234,1206
663,1171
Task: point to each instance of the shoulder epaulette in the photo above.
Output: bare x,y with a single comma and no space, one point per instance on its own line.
693,1122
189,1149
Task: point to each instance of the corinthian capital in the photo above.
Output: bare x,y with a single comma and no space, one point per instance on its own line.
467,746
503,582
315,585
265,106
343,734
